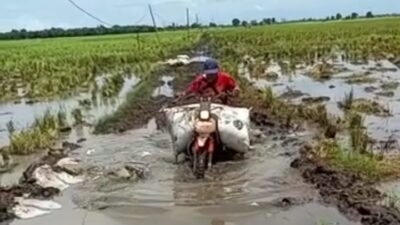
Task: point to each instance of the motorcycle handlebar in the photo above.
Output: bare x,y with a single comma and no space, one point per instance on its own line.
193,95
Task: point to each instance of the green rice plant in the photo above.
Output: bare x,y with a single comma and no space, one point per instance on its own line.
345,158
62,118
268,96
78,116
41,135
348,100
58,67
358,134
10,127
392,199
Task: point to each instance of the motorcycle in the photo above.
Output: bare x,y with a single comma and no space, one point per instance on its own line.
197,136
205,140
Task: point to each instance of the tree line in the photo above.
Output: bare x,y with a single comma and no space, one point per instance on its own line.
338,16
101,30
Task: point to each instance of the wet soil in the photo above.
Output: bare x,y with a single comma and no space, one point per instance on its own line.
354,197
261,189
148,99
27,186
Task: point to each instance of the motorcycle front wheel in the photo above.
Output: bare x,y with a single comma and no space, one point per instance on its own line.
199,164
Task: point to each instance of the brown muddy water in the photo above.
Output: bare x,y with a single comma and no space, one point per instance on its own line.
262,189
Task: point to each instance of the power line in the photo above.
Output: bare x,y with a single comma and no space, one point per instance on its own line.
163,21
145,13
89,14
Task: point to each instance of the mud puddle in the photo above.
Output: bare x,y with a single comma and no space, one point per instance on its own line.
12,177
23,114
262,188
377,81
299,215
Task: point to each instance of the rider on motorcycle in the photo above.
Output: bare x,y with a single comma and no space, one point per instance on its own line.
213,82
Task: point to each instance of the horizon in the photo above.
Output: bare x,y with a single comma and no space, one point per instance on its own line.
62,14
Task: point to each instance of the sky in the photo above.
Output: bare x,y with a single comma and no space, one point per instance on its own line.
41,14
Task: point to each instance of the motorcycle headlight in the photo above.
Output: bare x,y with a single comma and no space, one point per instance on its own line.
204,115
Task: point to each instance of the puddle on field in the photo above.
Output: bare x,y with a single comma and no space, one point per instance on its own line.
335,88
240,192
165,87
23,114
12,177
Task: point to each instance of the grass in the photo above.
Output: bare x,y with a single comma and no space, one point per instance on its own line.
345,158
361,80
41,135
59,67
139,96
322,71
366,106
310,43
392,200
389,86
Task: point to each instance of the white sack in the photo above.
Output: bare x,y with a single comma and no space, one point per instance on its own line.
27,212
233,125
41,204
46,177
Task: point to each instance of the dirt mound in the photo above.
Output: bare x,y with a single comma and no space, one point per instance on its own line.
27,186
353,196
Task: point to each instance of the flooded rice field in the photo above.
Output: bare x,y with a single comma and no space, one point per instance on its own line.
130,178
23,113
374,80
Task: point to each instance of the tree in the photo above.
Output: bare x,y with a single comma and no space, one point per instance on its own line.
245,23
213,24
369,15
339,16
333,17
273,20
267,21
254,22
236,22
354,15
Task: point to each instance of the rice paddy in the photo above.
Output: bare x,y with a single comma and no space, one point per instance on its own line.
63,66
332,85
46,69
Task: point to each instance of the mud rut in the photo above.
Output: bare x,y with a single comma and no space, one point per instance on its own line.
354,197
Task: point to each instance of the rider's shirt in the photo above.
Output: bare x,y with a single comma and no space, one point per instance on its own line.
223,83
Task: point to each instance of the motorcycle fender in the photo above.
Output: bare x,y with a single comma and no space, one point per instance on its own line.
201,141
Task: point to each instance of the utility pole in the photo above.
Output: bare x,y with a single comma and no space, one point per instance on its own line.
154,22
197,18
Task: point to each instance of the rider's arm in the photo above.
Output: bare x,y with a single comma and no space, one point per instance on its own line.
194,87
232,85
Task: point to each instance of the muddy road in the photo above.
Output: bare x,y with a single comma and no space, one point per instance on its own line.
258,190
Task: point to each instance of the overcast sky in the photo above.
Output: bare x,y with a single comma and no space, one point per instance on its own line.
40,14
